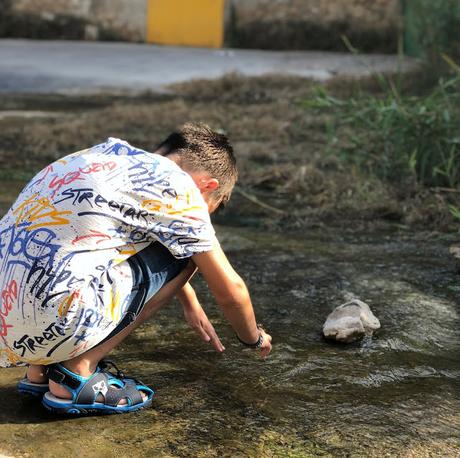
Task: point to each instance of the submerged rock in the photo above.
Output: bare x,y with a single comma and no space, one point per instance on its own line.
350,322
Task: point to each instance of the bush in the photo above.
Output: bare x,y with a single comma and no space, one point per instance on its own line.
431,27
398,137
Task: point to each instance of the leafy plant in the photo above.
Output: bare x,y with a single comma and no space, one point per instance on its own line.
455,212
432,26
398,137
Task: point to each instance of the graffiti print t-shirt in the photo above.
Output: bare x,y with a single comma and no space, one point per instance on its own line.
64,279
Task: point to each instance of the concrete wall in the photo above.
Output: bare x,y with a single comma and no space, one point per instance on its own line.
374,13
124,19
371,25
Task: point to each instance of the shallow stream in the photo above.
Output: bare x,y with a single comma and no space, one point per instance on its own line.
395,394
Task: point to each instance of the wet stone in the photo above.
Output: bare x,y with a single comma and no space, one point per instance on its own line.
350,322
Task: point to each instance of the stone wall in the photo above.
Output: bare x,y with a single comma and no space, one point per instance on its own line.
83,19
371,25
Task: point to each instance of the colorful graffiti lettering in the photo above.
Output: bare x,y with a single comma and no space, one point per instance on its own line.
80,195
120,149
35,245
57,183
146,179
65,305
92,234
156,205
31,343
78,350
40,211
9,295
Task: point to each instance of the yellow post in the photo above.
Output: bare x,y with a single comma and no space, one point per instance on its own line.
186,22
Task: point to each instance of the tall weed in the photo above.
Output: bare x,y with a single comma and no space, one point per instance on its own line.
432,26
398,137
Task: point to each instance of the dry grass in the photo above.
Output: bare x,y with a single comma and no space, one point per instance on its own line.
280,148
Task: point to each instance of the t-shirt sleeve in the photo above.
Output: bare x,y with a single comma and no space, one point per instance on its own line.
178,216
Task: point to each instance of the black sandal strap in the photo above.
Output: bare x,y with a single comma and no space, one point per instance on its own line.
98,383
129,392
113,394
58,376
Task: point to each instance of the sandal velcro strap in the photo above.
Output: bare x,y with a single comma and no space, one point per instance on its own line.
113,394
58,376
129,392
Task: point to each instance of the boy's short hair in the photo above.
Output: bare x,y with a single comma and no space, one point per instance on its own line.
202,149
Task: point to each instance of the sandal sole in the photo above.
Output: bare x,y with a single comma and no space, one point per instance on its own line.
77,409
35,394
29,389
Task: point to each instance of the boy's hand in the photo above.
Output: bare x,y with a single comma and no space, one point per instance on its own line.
198,321
266,346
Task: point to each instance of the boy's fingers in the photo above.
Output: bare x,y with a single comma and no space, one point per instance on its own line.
267,336
202,333
216,343
264,352
266,346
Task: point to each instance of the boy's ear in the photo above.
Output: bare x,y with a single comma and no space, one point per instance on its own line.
212,184
204,181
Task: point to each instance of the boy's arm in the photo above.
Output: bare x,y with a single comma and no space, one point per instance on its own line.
232,296
196,317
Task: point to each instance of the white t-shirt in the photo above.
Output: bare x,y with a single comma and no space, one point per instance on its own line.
64,279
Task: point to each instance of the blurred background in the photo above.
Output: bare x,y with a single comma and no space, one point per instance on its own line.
373,26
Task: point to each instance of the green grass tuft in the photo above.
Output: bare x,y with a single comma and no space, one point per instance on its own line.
398,137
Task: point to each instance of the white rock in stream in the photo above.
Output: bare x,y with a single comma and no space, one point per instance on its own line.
350,322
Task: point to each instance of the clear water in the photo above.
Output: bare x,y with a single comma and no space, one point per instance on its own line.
395,394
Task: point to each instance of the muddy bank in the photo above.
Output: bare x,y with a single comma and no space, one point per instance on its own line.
280,147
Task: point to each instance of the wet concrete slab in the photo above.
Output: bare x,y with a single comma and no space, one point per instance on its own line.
33,66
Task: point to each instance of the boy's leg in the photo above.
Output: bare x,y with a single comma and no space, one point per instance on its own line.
86,363
37,374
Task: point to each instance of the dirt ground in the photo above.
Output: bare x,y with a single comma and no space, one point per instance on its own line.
286,176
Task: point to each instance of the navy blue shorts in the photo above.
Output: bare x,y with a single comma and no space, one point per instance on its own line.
151,268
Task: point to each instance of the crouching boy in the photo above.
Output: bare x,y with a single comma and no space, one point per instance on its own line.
95,244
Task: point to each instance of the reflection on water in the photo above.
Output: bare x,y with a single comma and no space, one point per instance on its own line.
396,393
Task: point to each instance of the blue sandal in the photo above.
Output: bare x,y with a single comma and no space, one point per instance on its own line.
85,390
25,386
